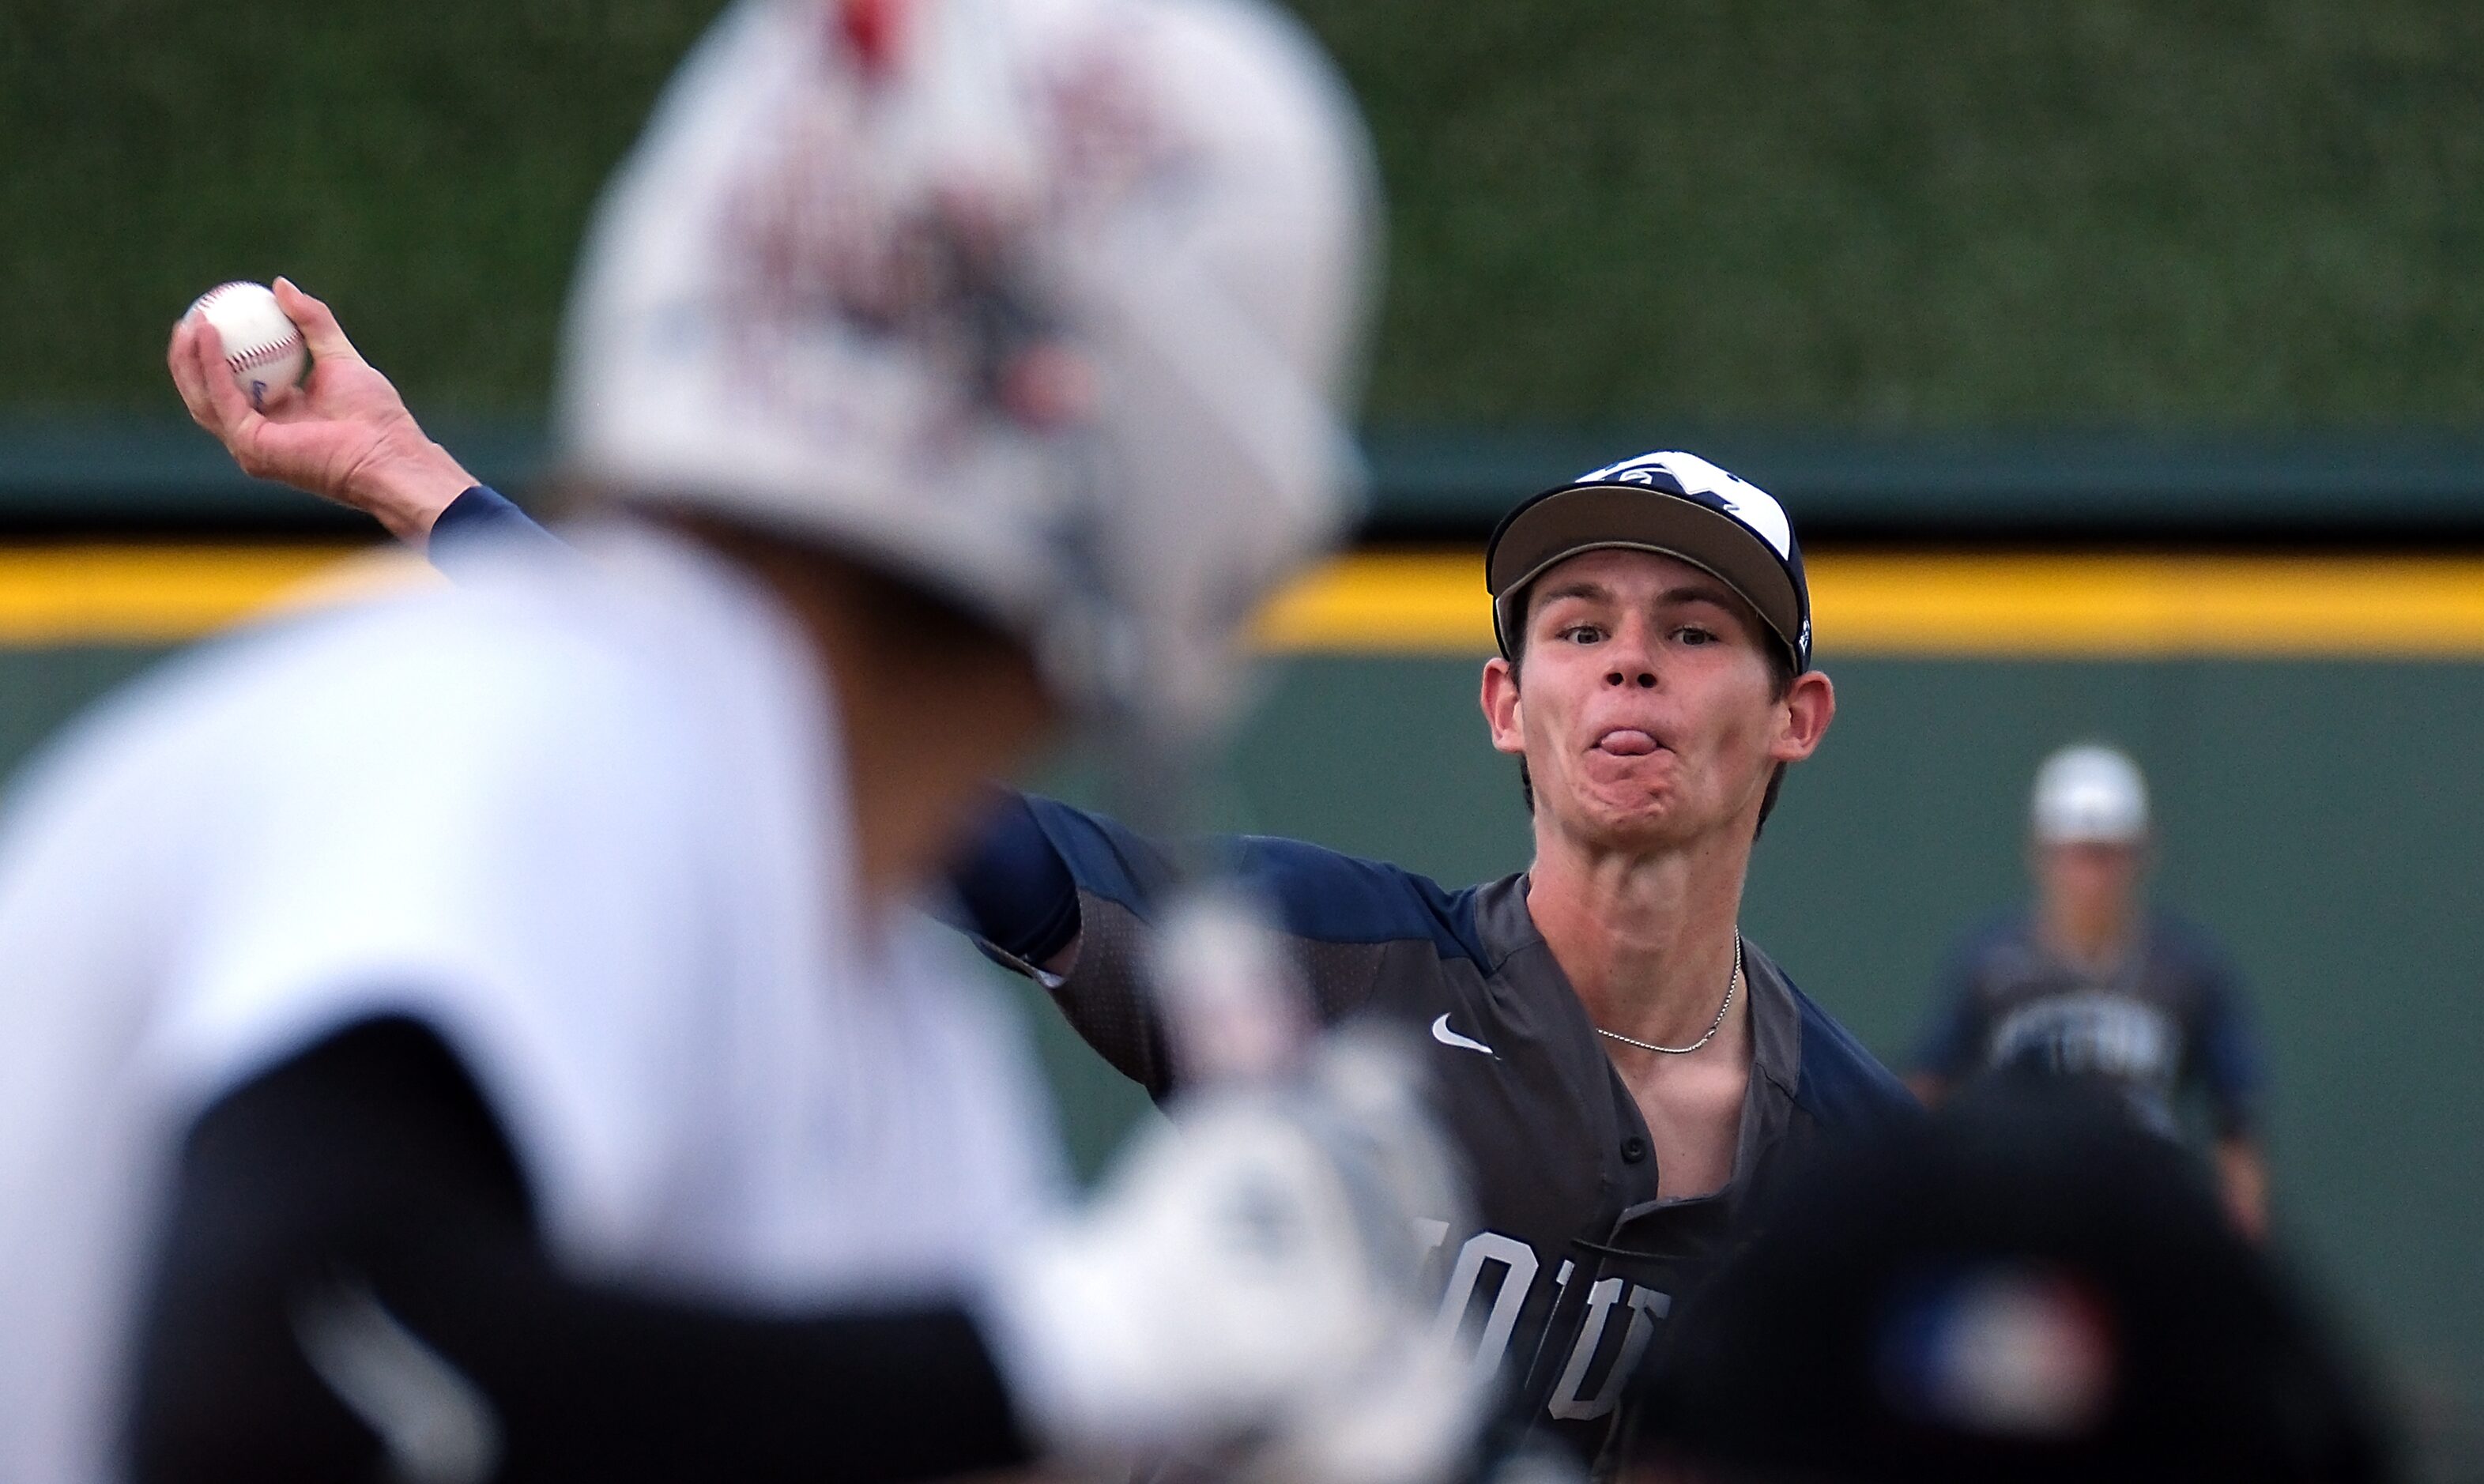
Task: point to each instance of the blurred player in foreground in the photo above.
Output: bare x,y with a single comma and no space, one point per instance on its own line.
2027,1288
484,1036
2091,983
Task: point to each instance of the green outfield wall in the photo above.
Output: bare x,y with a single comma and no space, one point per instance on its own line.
2323,818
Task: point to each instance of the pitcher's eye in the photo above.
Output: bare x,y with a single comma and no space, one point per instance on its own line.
1693,634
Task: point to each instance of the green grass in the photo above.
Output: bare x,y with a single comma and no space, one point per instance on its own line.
1841,212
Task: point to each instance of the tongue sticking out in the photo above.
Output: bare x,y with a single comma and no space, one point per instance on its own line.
1628,742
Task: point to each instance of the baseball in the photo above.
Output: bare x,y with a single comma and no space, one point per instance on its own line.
263,348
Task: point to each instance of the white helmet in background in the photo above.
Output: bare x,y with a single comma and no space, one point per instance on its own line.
1048,305
2090,794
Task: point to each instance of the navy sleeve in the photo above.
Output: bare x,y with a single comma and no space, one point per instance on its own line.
1952,1044
2226,1052
481,519
1103,857
1842,1083
1013,891
1339,915
1317,894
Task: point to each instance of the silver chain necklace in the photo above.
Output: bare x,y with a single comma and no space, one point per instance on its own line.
1731,980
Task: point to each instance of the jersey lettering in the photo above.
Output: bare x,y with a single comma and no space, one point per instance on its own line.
1518,1264
1560,1288
2104,1035
1646,1306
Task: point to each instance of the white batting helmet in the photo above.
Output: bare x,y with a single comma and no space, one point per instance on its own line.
1049,304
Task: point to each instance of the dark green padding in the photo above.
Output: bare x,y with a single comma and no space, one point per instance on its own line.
1605,213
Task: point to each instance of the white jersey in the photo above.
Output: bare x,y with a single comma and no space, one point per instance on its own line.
586,821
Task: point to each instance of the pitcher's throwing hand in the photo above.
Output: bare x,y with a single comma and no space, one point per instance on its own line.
344,435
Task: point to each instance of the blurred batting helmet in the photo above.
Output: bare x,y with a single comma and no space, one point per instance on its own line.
1049,306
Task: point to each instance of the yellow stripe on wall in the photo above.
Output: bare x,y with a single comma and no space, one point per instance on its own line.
1898,603
1384,603
1935,603
2145,607
166,594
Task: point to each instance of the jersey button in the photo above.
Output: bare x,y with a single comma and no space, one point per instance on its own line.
1634,1150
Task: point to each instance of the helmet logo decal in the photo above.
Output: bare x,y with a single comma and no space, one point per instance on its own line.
1690,475
895,240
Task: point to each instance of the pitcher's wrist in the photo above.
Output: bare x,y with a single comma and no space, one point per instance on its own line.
407,492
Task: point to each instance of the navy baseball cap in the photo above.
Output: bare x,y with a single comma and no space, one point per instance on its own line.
1673,503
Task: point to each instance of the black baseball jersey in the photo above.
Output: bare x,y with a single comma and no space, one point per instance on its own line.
2164,1025
1572,1264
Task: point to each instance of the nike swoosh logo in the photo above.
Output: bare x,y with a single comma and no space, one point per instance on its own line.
1442,1033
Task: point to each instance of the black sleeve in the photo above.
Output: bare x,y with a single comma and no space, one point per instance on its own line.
349,1282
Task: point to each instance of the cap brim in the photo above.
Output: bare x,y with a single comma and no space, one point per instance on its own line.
1585,518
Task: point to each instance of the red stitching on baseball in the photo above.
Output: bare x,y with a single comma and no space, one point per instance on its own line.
261,355
242,361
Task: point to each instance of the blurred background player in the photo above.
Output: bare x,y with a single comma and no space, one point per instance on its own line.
2027,1287
487,1034
2091,982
